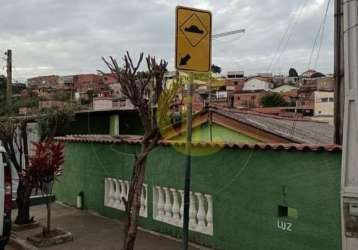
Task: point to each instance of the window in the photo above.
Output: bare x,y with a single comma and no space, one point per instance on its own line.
324,99
235,83
282,211
253,97
331,99
238,98
287,212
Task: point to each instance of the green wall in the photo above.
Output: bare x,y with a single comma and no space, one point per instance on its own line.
219,133
247,187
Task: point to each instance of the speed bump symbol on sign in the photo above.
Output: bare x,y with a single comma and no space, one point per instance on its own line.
193,40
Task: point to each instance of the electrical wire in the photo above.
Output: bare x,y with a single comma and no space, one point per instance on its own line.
289,34
324,22
319,35
314,45
281,41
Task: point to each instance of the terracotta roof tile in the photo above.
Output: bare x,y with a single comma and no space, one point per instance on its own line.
130,139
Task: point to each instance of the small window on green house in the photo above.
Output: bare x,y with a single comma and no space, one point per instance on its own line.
287,212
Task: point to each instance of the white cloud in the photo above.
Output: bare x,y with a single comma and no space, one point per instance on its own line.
68,37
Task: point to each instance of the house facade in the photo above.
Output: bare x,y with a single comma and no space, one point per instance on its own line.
248,99
324,106
43,81
247,196
256,84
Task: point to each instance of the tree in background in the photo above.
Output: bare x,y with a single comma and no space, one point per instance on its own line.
14,138
215,69
292,73
43,168
273,100
146,91
51,121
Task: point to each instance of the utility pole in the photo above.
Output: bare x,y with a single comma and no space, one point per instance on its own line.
9,76
338,72
349,181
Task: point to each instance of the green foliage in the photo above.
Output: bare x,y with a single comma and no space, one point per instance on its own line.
53,120
165,101
292,72
29,102
62,96
215,69
7,110
273,100
2,87
17,102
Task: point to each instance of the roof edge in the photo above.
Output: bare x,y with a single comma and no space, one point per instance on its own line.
106,139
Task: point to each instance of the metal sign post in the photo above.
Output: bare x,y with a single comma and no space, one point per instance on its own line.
187,181
193,54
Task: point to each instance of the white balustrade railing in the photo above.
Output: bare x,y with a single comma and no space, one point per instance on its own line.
168,207
116,192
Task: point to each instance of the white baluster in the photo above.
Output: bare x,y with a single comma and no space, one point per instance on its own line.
160,204
181,210
117,198
167,206
201,215
175,208
122,195
209,214
106,191
143,202
127,189
192,212
111,192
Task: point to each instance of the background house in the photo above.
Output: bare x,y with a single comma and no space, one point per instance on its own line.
324,106
257,84
248,99
43,81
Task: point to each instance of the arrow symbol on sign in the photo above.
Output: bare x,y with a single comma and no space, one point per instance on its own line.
184,60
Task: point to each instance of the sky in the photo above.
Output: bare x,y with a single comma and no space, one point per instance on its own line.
66,37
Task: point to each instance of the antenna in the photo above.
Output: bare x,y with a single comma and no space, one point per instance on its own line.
228,33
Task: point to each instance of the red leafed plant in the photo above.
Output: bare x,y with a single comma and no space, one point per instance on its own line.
44,166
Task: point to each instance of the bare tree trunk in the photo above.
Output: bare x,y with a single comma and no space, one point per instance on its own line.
23,204
138,87
24,189
48,206
133,203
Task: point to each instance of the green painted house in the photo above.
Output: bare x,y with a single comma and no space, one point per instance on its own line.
244,196
216,133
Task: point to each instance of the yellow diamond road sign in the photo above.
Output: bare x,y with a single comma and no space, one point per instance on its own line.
193,40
